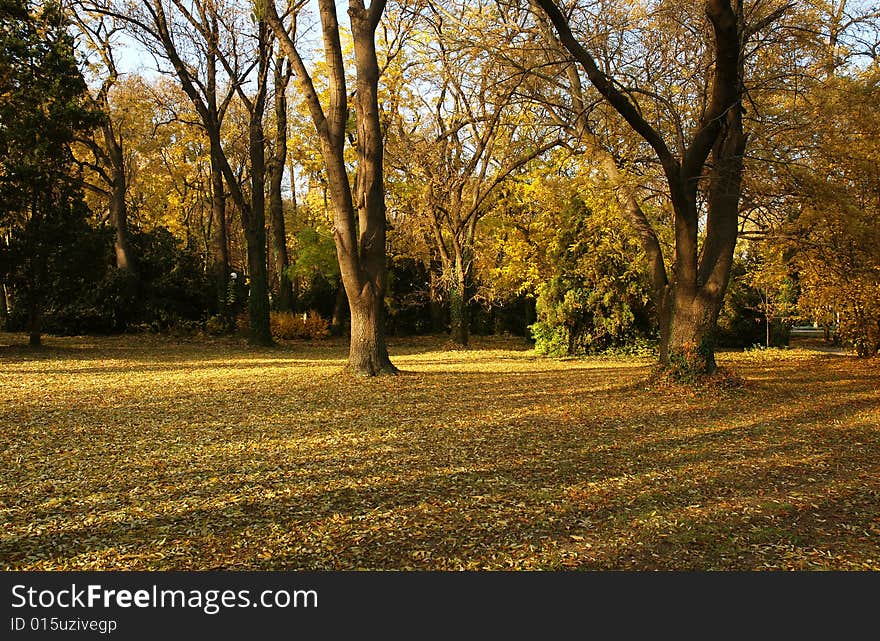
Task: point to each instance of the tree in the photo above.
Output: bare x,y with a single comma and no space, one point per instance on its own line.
813,204
833,237
358,210
213,44
43,107
709,152
471,133
108,146
277,163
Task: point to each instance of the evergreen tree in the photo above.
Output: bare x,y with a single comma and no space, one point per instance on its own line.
42,108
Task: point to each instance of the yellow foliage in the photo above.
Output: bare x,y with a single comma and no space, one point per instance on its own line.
140,453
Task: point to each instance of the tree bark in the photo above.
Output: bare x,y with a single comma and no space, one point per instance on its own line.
118,211
254,216
358,212
368,355
219,244
459,302
692,308
687,330
284,300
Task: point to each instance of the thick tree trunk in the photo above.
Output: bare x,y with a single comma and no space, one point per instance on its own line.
368,353
689,313
284,300
687,328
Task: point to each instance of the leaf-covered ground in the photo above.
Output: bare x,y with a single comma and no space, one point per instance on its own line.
147,453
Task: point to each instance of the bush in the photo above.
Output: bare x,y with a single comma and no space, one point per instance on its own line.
597,297
216,325
287,325
87,295
290,326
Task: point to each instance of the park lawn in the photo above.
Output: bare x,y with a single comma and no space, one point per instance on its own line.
149,453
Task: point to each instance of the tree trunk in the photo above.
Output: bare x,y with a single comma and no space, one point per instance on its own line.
687,328
34,324
4,309
259,330
220,247
459,316
338,310
119,219
358,211
284,301
118,210
459,301
368,353
254,216
689,313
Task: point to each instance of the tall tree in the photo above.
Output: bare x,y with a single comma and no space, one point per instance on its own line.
281,76
43,107
470,134
108,147
199,41
200,80
358,210
707,151
253,212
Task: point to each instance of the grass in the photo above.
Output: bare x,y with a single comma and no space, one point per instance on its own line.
147,453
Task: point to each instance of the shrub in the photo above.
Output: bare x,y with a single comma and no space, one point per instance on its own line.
216,325
596,297
287,325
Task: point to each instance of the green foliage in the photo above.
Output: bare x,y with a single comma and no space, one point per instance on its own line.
43,108
84,294
690,364
315,254
174,288
756,288
52,264
314,269
597,297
